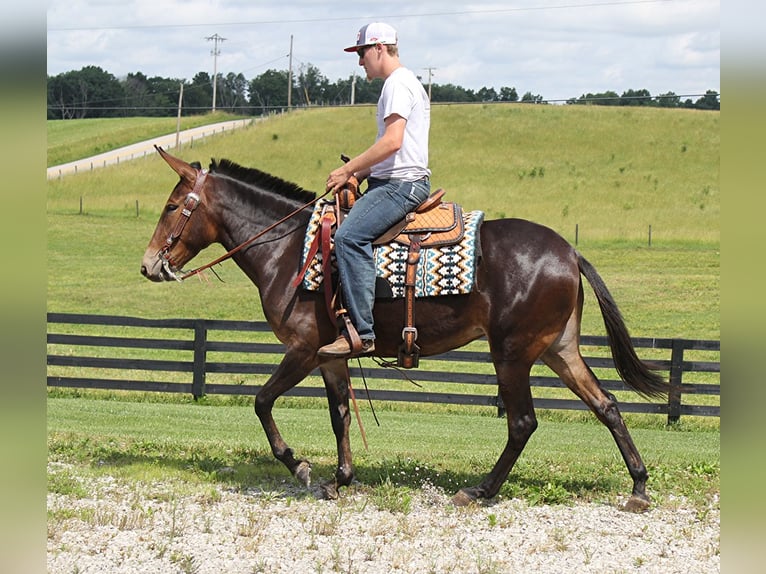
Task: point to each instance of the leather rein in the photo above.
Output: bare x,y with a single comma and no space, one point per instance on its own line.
191,202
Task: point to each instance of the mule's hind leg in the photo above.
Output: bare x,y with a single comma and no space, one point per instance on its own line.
564,358
513,384
336,381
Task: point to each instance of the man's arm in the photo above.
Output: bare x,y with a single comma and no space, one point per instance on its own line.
388,144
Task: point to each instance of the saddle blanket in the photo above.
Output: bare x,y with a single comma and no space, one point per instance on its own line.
447,270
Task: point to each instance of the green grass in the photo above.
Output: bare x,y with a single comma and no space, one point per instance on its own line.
670,289
70,140
612,172
203,445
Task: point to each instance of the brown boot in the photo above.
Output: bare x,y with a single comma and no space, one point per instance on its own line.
341,347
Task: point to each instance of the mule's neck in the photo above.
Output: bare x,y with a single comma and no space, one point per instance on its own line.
273,226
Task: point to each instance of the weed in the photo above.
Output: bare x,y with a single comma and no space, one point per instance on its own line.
549,493
328,524
62,482
186,563
392,498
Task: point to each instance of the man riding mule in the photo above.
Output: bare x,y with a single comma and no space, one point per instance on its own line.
526,298
397,168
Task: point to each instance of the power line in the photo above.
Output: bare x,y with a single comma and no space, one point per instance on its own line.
357,18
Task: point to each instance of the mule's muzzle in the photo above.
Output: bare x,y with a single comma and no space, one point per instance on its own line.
154,270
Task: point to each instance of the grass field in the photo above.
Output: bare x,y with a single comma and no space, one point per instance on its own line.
670,289
70,140
610,173
562,462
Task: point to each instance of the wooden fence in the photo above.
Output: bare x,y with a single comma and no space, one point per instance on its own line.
204,356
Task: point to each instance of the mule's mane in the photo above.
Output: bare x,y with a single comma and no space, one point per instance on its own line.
253,176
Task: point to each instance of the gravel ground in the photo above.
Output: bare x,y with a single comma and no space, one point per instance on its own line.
140,528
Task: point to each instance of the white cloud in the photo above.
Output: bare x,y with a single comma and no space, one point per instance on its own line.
533,45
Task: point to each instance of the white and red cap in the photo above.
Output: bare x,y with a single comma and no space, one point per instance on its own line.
372,34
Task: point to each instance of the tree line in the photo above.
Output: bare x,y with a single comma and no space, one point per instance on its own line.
95,93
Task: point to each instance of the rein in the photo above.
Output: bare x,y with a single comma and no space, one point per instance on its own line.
193,199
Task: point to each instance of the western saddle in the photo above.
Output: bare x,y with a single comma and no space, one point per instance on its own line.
434,223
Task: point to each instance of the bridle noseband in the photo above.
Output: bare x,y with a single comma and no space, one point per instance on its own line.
190,204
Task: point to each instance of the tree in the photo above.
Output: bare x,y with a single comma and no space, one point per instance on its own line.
709,101
604,99
232,93
312,85
64,99
487,95
199,96
669,100
91,92
268,91
451,93
367,91
508,95
530,98
155,96
636,98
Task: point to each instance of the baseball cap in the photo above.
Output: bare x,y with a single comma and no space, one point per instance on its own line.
371,34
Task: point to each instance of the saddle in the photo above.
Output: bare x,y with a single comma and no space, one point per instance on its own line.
434,223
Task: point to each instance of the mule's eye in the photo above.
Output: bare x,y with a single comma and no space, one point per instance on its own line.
171,207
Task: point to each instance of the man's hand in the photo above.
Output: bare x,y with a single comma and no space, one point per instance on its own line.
338,178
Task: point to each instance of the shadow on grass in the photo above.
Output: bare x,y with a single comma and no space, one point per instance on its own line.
258,471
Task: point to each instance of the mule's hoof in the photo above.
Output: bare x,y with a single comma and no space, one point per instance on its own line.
462,498
329,490
303,473
636,504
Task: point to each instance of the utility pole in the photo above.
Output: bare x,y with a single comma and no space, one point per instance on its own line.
178,120
430,73
215,52
290,77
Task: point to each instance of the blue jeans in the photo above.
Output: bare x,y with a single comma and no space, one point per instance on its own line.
385,203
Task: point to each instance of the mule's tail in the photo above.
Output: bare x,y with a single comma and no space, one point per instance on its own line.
636,374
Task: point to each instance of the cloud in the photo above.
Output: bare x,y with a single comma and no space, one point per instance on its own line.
555,49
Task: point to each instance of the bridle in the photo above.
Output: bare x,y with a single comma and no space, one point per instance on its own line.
192,201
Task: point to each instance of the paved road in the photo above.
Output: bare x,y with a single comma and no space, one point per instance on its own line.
145,148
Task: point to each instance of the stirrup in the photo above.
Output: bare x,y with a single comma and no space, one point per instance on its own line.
353,335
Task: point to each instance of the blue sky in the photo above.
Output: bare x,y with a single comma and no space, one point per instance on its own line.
555,48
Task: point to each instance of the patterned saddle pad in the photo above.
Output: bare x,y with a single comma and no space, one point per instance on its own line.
441,270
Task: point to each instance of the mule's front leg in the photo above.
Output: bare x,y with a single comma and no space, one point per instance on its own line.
289,373
337,384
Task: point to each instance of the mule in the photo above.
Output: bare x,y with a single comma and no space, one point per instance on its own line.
527,302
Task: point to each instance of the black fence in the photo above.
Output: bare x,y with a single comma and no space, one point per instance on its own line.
204,356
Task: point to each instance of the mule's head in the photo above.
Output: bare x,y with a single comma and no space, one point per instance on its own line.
183,229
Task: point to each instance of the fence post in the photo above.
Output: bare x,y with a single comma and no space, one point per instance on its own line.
676,375
200,357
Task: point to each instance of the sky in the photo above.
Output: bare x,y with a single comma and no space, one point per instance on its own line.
557,49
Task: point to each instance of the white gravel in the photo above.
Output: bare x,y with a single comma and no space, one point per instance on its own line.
130,527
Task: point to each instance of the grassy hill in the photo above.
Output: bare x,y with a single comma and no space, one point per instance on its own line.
70,140
610,173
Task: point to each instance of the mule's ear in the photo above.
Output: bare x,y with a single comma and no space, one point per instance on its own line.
184,170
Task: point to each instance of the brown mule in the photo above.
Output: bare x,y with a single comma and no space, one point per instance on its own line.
527,302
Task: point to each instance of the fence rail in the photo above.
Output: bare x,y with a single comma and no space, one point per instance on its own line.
192,353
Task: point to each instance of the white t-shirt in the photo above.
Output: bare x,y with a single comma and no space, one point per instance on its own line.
403,94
